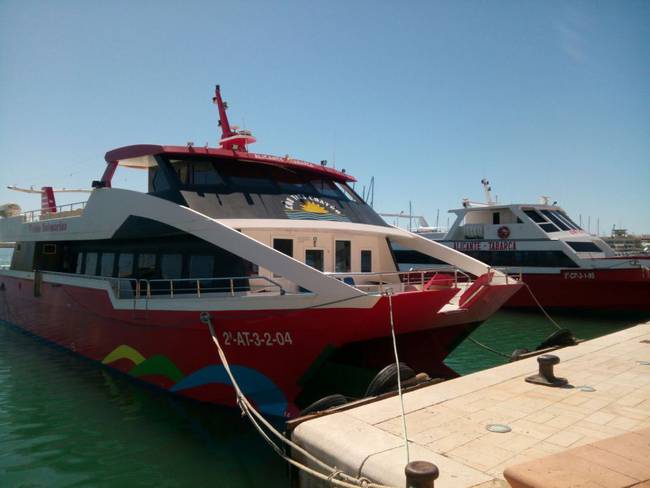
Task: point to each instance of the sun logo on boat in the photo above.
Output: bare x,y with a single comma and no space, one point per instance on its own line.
313,208
305,207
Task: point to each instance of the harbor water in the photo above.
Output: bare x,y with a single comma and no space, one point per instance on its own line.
65,421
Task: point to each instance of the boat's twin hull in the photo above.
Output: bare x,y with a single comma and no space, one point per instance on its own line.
270,351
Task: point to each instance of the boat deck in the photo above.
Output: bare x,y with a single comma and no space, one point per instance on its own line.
447,421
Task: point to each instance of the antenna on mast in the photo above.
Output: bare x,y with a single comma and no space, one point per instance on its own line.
488,191
231,138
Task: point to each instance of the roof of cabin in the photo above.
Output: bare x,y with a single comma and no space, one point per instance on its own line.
141,156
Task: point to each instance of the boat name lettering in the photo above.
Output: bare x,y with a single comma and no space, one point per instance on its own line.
257,339
485,245
579,275
48,227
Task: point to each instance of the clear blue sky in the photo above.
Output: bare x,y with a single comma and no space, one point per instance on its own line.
547,97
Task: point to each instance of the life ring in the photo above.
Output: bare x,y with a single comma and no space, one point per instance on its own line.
503,232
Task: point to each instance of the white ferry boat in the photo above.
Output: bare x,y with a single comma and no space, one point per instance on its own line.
564,266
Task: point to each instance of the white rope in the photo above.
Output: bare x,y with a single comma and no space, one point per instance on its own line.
389,293
257,418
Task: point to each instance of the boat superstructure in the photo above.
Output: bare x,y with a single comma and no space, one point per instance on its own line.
565,266
294,267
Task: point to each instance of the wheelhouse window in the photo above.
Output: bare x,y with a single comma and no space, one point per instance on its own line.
366,261
107,262
147,265
568,219
315,259
555,220
548,227
535,217
496,218
204,173
346,191
125,265
342,257
158,180
91,263
326,188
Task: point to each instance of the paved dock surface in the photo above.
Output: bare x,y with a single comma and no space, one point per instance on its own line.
447,422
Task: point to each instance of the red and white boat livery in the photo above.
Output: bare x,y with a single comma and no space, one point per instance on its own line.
564,266
293,266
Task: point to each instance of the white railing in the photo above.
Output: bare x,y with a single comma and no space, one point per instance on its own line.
133,288
399,281
65,210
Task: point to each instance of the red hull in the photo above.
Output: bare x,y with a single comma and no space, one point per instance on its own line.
270,350
615,289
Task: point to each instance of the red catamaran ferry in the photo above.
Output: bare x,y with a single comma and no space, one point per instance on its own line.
291,263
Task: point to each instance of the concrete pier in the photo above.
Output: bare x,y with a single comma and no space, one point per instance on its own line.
608,396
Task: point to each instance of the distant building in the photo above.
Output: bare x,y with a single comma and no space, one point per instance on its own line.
624,243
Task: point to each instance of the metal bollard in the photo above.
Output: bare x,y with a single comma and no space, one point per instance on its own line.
420,474
545,375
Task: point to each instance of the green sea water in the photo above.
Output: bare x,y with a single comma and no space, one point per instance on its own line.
66,422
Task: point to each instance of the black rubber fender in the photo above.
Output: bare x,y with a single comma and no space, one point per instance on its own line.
386,379
324,403
562,337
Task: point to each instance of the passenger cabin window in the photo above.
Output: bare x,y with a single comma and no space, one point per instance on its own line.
366,261
146,266
285,246
107,262
584,246
315,259
80,263
91,263
496,218
171,266
125,265
201,266
343,254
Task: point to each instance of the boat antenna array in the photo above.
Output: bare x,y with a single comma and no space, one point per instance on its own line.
231,136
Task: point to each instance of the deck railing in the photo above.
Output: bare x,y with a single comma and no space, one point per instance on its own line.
62,211
399,281
133,288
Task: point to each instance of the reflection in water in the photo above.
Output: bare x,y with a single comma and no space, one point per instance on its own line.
65,421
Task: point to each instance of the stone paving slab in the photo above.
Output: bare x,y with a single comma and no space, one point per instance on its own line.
446,422
618,462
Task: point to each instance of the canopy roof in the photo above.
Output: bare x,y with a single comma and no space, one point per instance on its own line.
141,156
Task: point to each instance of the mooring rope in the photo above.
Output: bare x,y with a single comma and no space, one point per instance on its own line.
389,293
257,418
489,348
540,307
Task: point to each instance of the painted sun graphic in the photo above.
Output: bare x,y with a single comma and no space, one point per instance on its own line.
314,208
